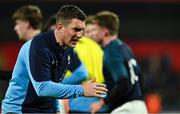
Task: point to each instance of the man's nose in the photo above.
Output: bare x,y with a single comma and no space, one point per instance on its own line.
80,34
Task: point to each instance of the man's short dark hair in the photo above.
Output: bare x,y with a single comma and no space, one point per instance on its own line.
68,12
108,20
30,13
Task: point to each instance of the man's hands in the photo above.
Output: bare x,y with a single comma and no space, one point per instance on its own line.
92,89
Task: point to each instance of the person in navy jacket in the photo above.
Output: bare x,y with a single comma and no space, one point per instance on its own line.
41,65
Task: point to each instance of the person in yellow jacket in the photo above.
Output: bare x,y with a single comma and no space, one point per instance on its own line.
91,55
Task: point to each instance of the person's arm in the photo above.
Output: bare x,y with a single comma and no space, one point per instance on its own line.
120,75
120,85
96,106
124,73
119,91
5,75
79,72
38,64
78,75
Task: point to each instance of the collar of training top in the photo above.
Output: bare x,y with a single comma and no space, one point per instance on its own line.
55,44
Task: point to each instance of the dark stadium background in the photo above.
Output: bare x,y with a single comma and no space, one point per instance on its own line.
150,27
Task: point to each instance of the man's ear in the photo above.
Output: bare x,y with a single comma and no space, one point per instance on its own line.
29,25
59,27
106,32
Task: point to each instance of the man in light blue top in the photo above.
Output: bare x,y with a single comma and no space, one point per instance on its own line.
41,65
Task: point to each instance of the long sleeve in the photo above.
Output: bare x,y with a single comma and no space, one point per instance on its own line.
78,75
40,76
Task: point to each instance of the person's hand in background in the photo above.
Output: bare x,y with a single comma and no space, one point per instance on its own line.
97,106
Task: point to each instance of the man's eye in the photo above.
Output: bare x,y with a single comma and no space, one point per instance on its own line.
77,29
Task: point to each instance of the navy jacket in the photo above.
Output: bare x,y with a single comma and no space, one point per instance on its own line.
39,69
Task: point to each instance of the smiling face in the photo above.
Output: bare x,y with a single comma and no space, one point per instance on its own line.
70,34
